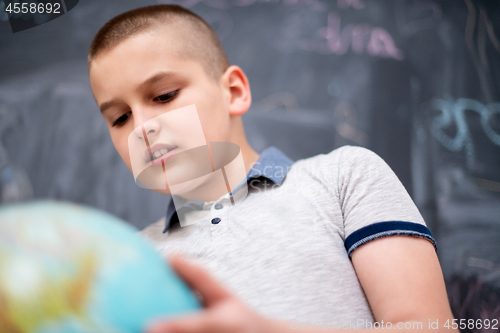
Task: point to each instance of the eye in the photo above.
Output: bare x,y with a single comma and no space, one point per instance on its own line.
165,98
121,120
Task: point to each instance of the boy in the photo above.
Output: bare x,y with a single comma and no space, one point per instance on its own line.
308,244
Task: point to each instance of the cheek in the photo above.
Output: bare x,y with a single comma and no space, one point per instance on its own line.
214,119
216,126
121,145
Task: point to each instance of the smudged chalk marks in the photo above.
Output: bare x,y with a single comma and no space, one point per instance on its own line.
222,4
416,15
477,29
356,4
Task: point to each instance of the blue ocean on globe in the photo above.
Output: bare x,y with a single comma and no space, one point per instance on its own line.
68,268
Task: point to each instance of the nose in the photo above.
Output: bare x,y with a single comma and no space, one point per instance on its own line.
146,125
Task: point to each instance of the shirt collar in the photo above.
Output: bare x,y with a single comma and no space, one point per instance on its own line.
273,164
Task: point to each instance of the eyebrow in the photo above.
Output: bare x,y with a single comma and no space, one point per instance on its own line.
106,105
148,82
155,78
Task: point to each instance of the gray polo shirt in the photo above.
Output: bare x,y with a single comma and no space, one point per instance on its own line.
285,249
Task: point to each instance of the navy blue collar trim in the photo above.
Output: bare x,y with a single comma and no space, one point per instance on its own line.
273,164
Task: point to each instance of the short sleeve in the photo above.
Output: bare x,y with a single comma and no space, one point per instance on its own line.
373,200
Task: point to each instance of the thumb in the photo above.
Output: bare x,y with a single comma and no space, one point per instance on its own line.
199,280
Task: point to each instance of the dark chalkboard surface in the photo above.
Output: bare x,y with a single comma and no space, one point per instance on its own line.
416,81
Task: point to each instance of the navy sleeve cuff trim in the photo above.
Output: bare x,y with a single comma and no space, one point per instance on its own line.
383,229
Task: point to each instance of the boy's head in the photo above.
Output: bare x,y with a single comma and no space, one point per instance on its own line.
152,60
189,36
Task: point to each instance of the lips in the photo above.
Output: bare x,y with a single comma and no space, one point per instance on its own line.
159,153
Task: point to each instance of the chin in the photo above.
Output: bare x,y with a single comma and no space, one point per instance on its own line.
163,191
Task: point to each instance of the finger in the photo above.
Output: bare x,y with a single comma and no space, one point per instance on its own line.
189,324
199,280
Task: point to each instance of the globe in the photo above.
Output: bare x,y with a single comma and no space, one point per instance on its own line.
69,268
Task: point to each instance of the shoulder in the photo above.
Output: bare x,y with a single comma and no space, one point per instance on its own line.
341,154
362,163
353,156
356,153
332,166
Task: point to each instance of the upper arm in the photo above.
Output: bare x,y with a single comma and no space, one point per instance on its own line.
392,250
402,280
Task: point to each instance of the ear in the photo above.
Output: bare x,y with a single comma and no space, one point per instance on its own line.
238,88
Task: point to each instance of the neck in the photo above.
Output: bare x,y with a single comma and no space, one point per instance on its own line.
212,189
249,155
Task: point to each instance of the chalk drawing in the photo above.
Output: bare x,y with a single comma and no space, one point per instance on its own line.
453,114
375,41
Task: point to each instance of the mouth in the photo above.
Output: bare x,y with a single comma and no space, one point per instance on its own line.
160,154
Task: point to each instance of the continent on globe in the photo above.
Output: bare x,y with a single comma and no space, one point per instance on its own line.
69,268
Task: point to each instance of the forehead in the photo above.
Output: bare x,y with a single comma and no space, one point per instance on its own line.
141,56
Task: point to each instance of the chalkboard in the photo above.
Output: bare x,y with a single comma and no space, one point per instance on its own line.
416,81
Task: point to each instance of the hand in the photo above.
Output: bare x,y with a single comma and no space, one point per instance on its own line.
223,313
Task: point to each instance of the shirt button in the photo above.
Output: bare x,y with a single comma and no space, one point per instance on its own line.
218,206
215,220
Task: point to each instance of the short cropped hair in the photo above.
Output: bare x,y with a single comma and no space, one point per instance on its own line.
199,40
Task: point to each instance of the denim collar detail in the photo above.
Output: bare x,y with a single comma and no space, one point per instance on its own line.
273,164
